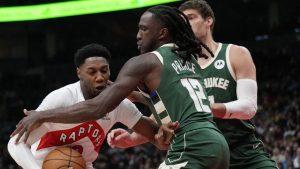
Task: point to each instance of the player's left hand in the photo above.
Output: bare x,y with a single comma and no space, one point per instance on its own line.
27,125
165,135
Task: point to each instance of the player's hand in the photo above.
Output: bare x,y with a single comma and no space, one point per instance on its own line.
30,122
119,138
109,82
136,96
165,135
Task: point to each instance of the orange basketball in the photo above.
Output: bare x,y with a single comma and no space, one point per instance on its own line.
64,158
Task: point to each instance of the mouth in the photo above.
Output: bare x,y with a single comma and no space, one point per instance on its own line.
139,46
100,88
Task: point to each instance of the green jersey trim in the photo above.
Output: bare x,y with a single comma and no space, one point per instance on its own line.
214,58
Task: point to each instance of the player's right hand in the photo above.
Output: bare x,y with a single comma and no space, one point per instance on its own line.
119,138
165,135
27,125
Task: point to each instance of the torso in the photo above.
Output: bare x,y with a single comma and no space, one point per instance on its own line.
87,138
180,95
220,85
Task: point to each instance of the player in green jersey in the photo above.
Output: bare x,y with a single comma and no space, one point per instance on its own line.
170,78
230,83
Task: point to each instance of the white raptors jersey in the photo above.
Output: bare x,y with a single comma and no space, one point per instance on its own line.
87,138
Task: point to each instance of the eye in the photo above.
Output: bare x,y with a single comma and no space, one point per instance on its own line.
191,17
91,72
104,71
142,28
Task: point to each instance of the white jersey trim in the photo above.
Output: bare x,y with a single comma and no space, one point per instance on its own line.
229,66
184,146
158,55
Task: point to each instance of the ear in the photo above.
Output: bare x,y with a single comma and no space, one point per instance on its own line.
209,21
163,33
78,72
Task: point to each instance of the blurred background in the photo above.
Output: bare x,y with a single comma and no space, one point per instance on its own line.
36,57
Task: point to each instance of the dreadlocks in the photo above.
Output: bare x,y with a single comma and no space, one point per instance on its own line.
181,31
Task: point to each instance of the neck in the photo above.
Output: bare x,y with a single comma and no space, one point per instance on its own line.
84,92
210,43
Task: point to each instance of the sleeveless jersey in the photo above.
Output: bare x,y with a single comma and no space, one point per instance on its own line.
180,95
220,86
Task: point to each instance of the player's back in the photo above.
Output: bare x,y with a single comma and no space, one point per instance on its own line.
180,95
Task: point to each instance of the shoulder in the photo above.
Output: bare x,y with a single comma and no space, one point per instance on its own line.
236,50
141,64
126,104
241,62
64,91
238,55
61,97
146,58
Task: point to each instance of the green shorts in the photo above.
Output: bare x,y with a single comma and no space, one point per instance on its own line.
250,154
203,148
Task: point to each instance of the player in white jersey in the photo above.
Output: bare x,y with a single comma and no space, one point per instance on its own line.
92,62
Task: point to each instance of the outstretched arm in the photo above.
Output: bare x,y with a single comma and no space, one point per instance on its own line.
121,138
133,73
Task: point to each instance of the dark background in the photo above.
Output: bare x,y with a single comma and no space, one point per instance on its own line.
36,57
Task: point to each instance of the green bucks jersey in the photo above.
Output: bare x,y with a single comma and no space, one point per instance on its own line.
180,95
220,86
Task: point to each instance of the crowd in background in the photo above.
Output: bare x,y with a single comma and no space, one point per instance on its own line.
277,120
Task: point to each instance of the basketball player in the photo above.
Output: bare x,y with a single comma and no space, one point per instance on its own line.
92,62
230,83
170,78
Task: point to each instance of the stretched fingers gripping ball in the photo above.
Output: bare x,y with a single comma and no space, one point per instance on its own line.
64,158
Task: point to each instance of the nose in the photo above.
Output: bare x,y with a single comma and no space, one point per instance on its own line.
99,77
138,36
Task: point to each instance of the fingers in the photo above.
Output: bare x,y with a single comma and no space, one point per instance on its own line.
113,137
20,134
19,127
110,139
173,125
167,134
109,82
26,112
160,142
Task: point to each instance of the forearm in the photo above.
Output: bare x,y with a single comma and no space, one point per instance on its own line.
22,155
88,110
244,107
137,139
218,110
136,96
80,112
147,129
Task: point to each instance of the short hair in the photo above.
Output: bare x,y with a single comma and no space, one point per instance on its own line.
91,50
181,31
202,7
